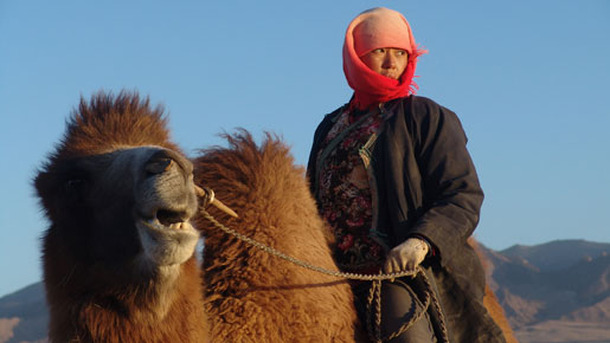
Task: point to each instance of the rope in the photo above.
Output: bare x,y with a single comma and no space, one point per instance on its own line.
306,265
374,297
439,310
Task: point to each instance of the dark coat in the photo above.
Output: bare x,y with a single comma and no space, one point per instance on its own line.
426,185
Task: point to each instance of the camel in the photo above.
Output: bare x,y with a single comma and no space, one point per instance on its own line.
252,296
490,301
119,255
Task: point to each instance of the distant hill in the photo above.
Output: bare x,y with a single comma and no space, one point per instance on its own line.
24,316
553,292
556,255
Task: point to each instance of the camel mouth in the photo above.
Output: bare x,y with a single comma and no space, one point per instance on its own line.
172,219
165,219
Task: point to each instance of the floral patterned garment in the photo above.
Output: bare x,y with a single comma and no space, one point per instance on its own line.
344,196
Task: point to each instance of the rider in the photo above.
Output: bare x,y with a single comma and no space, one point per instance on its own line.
392,176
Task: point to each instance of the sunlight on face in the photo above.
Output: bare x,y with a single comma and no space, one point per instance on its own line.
390,62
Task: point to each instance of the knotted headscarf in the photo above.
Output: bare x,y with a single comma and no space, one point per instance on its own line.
378,28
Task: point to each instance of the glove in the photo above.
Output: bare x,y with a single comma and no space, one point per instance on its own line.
406,256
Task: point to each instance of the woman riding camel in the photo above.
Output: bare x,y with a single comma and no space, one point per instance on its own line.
392,176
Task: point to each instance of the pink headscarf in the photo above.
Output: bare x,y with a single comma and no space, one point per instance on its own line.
372,29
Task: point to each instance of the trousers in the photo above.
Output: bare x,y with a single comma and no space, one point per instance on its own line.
399,304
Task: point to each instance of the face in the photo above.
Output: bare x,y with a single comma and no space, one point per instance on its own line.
126,208
390,62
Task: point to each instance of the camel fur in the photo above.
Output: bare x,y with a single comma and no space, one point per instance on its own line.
490,301
252,296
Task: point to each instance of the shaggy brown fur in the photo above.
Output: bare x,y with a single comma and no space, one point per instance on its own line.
491,302
104,281
252,296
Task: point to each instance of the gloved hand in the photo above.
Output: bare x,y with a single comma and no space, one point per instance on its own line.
406,256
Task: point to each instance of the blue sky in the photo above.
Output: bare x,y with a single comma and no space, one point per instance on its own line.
529,80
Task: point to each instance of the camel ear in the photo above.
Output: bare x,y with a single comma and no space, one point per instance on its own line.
46,188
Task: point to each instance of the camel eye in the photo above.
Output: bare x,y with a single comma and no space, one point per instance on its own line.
74,183
75,188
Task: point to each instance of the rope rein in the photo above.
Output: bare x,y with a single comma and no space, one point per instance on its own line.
374,298
300,263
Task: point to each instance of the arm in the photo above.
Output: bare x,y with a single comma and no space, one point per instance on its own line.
452,193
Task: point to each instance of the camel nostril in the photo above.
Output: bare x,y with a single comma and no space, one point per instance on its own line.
158,166
168,217
160,162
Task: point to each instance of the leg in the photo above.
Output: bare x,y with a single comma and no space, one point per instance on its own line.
398,305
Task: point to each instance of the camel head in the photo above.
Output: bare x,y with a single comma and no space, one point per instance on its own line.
119,196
